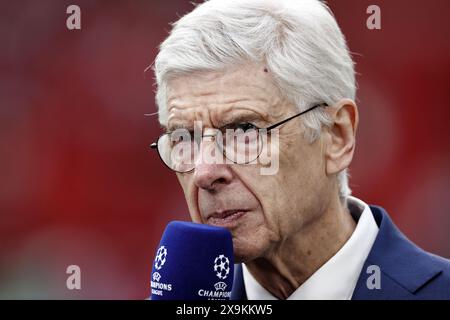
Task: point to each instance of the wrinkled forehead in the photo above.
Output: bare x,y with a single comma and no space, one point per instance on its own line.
218,97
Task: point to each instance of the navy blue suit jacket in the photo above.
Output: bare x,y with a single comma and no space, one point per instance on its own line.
407,272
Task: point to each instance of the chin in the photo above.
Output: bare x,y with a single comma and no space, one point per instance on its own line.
243,252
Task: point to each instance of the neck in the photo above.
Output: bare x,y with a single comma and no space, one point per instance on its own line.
287,266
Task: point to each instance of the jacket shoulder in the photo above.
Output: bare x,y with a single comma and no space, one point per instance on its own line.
407,271
439,286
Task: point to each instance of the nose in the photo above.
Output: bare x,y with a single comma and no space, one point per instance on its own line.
210,175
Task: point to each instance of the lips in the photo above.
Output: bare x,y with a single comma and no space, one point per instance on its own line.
226,218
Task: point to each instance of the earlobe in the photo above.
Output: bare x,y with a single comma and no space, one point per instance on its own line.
342,133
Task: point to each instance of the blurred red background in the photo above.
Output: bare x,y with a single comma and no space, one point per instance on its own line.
79,186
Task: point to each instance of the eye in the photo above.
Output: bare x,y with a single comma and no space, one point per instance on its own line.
180,136
239,128
245,126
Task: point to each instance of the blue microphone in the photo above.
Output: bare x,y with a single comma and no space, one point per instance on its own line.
193,262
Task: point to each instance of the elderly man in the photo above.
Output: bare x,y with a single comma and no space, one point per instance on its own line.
278,73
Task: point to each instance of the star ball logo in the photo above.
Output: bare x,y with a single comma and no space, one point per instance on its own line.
161,257
222,267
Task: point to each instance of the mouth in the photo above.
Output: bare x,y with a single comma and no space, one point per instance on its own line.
226,219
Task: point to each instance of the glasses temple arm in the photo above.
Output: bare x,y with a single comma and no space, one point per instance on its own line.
295,116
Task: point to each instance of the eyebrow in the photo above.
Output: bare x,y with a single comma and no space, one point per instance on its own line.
178,125
240,118
229,118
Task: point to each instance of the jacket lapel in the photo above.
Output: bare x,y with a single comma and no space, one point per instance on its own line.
238,291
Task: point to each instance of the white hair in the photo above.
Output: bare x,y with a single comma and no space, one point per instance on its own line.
298,41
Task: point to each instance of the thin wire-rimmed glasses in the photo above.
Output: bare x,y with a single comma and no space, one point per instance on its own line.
240,143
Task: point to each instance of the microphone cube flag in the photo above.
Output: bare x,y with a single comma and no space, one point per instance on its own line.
193,262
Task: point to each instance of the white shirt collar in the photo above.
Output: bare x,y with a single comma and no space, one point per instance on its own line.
337,278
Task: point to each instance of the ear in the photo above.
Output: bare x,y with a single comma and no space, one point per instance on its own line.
340,142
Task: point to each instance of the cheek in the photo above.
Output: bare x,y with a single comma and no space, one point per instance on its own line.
301,163
289,195
272,196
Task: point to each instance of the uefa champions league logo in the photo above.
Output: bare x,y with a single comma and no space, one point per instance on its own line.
222,267
158,288
161,256
222,270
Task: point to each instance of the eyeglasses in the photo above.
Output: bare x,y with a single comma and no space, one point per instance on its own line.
241,143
